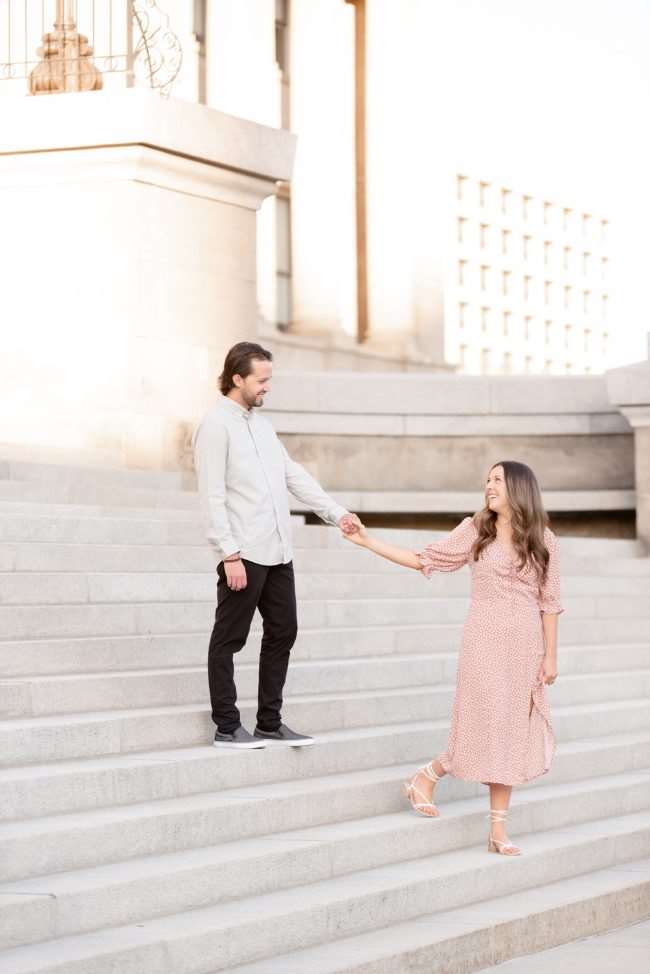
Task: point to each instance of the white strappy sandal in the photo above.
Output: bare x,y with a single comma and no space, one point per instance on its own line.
423,806
494,845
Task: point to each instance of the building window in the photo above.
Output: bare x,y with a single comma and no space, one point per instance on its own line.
548,252
462,308
586,263
526,242
485,359
505,241
527,286
604,231
568,368
548,366
548,332
566,257
587,339
586,224
525,206
283,259
505,200
528,364
483,235
547,210
566,218
605,342
505,282
461,182
507,363
548,292
462,271
605,304
463,356
485,320
507,315
483,193
567,336
567,297
585,301
604,267
462,224
528,327
485,277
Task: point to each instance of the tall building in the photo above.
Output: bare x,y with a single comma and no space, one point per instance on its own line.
378,241
526,286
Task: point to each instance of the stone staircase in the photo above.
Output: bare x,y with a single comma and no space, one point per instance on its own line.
128,844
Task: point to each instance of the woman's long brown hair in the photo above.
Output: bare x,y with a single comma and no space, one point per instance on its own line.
529,519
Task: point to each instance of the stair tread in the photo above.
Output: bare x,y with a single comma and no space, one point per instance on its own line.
257,792
164,863
246,912
407,937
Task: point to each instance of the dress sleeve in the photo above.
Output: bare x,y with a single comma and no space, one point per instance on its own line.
450,553
550,594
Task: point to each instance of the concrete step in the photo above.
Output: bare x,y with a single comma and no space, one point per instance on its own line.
90,654
69,474
104,494
326,563
222,936
84,900
61,587
98,618
246,802
489,933
63,786
164,709
66,523
42,696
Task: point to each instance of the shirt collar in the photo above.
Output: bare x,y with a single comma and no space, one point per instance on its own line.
235,409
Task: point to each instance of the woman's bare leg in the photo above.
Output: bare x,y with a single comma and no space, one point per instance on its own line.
500,800
424,784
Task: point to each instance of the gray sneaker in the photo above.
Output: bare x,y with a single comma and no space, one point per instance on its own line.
284,735
239,739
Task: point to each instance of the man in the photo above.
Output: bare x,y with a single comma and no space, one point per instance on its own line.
244,473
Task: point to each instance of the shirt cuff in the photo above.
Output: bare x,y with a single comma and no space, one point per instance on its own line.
224,550
337,512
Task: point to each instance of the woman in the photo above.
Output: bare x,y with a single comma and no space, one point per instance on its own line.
500,731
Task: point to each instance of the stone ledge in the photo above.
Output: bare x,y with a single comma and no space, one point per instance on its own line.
431,394
366,424
443,502
139,117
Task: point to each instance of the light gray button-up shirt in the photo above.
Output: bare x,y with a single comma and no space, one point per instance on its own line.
244,473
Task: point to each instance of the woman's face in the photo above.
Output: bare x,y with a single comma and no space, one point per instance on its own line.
496,494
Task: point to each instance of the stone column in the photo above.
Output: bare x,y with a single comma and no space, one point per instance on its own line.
629,389
128,261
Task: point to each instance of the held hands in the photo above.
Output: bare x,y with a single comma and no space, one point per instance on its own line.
353,530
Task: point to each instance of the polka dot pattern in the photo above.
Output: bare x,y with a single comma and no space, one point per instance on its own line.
501,724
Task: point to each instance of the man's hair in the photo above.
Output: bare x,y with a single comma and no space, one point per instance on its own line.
239,361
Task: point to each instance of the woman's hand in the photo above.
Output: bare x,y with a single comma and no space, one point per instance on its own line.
547,670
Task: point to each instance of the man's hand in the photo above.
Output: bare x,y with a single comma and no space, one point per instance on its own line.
350,524
235,574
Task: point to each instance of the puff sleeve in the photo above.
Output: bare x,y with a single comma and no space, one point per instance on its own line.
450,553
550,593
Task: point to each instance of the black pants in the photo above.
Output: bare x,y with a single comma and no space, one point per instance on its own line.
272,590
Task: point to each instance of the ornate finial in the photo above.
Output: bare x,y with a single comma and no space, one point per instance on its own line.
66,63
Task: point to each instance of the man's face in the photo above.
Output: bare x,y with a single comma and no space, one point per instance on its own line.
255,386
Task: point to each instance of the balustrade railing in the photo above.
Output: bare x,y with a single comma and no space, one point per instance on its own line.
55,46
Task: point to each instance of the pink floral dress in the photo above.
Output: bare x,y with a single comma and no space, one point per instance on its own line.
501,727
